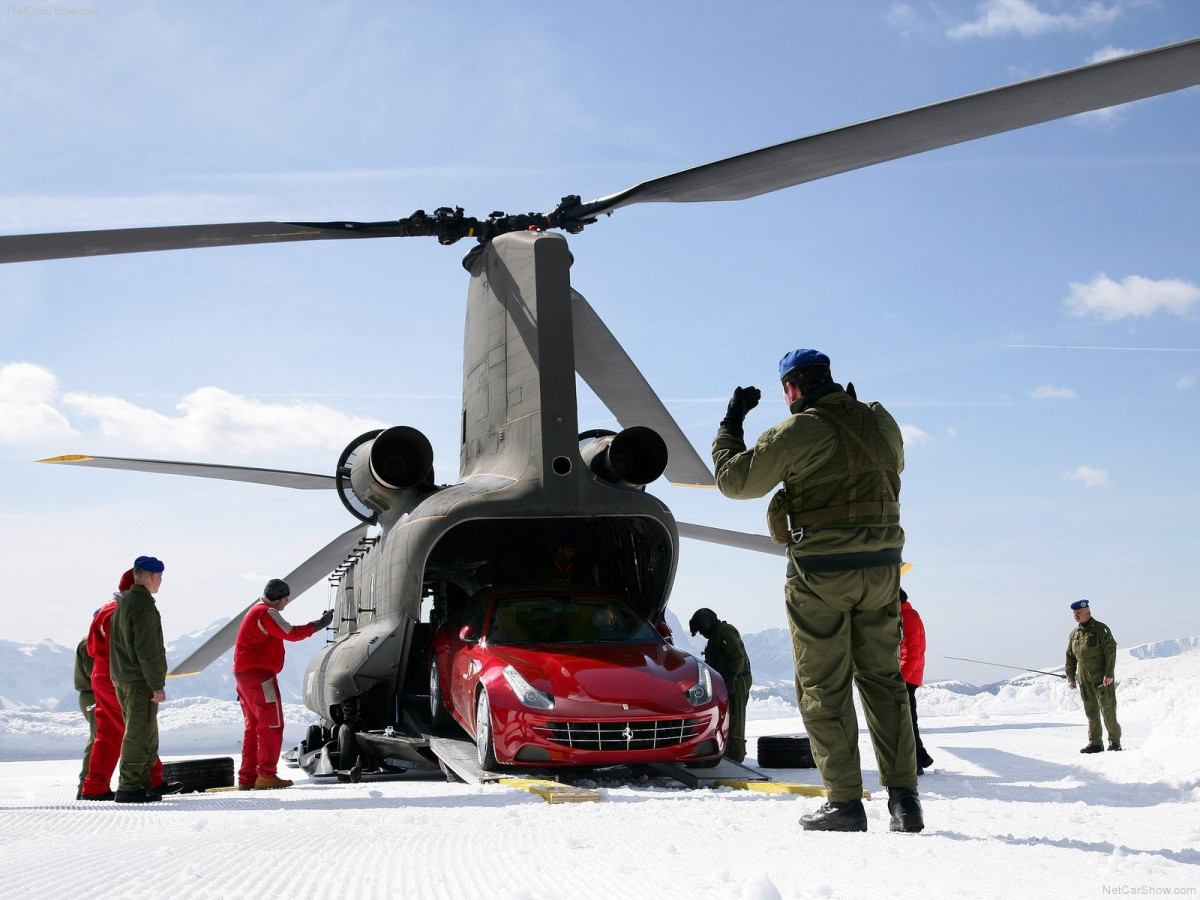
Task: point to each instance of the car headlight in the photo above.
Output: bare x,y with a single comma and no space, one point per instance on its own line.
526,692
700,692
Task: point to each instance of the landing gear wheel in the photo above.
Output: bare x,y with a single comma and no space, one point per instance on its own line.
347,748
438,716
314,739
484,750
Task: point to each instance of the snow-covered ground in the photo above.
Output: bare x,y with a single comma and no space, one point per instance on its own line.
1012,810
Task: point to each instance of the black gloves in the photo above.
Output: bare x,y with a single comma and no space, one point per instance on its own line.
743,400
323,622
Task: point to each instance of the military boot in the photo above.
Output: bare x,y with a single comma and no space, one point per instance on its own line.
1114,745
905,807
1093,748
847,815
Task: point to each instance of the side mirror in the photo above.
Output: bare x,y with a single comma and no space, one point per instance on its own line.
664,629
467,635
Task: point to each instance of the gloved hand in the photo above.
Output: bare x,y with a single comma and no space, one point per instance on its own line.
743,400
323,622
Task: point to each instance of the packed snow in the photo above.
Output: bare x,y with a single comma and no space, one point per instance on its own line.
1011,808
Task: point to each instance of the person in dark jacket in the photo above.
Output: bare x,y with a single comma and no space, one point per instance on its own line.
110,724
138,668
1092,655
912,669
87,706
838,512
258,656
726,653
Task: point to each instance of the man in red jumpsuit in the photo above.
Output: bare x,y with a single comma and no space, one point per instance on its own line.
110,723
912,669
257,659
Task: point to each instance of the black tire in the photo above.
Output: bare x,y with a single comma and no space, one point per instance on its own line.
314,739
705,763
785,751
200,774
438,714
485,750
347,748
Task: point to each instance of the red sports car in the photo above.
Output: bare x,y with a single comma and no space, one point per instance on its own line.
573,677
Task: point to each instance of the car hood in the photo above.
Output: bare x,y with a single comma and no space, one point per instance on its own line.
605,673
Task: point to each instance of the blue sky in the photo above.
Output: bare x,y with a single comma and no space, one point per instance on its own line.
1027,306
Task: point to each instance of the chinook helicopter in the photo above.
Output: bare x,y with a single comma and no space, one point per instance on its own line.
420,550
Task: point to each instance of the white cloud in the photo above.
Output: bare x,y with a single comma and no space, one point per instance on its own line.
1185,382
913,435
1133,296
1089,477
997,18
27,412
214,420
1050,392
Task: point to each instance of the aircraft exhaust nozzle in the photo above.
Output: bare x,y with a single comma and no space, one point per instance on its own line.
634,457
383,467
400,458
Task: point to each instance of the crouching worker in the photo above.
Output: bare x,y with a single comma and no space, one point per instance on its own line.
257,659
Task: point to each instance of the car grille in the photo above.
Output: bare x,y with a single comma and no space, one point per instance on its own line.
644,735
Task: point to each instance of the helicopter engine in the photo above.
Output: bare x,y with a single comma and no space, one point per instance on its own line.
634,457
380,470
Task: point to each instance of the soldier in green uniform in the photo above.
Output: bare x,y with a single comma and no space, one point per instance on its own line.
726,653
1092,655
138,666
838,512
87,706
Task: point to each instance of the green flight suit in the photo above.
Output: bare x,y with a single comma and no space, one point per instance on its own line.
839,461
726,653
87,702
138,665
1092,655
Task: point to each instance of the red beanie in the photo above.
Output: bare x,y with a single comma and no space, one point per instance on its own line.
126,582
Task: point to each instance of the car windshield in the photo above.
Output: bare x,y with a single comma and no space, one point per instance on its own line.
567,620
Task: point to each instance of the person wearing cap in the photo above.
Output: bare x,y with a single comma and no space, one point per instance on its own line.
912,669
138,668
110,724
726,653
258,656
838,513
1092,656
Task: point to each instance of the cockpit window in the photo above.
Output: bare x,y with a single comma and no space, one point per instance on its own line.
565,619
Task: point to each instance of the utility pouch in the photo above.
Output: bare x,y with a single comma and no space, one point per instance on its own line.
777,518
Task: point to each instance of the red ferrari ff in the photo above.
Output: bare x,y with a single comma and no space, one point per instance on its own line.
573,677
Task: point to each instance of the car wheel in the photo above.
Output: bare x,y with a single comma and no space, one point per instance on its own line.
438,715
484,749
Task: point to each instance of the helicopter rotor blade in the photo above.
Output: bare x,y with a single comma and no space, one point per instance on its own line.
304,481
607,369
742,540
299,580
1097,86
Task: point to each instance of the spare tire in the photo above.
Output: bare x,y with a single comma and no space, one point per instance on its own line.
200,774
785,751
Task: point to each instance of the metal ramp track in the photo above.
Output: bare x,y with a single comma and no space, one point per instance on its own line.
725,770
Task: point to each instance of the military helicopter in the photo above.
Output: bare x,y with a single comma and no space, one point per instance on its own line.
420,549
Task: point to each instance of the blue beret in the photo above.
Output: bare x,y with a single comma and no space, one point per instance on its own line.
798,358
1079,604
148,564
